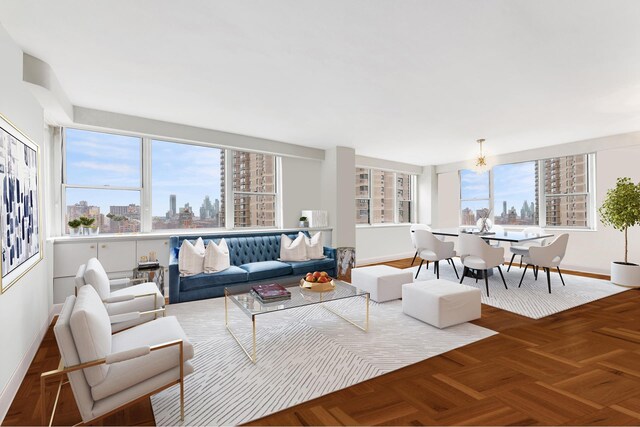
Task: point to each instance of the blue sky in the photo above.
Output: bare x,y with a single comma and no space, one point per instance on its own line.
188,171
514,183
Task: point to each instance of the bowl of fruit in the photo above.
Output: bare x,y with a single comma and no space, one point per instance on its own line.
318,281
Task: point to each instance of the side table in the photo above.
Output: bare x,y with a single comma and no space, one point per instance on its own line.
151,274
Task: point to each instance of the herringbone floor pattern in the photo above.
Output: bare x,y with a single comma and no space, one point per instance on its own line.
578,367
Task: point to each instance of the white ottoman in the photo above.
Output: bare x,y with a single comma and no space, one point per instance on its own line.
441,303
384,283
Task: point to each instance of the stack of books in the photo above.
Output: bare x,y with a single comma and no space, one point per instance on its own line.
148,265
270,293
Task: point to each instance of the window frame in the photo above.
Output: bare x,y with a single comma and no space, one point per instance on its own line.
146,191
411,200
542,196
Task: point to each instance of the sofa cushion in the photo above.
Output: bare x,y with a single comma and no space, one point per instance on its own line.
303,267
191,257
293,249
313,246
266,269
232,274
216,257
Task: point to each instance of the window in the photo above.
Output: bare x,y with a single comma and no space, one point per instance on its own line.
102,180
515,194
562,186
183,186
254,189
566,191
383,196
474,196
179,198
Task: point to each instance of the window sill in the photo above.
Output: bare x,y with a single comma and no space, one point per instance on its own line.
404,224
157,235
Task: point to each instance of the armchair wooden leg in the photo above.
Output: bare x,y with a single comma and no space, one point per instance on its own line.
523,273
181,381
486,280
464,273
414,259
520,261
453,264
502,275
560,273
511,262
548,278
437,269
418,272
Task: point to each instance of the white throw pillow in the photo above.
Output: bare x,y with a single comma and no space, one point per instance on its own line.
314,245
191,258
216,257
293,250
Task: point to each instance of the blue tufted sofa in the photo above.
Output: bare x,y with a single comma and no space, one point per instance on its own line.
254,260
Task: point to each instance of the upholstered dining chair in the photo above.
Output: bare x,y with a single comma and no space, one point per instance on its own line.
522,248
108,372
432,249
478,256
412,230
547,257
137,298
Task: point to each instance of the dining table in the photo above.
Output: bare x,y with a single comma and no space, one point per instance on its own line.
499,236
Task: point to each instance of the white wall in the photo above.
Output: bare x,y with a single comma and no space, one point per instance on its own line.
590,251
301,188
25,307
382,243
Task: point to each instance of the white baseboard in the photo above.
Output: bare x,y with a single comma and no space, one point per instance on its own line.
375,260
11,389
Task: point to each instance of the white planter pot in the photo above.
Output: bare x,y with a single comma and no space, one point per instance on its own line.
625,274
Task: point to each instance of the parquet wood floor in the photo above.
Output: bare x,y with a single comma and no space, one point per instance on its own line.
578,367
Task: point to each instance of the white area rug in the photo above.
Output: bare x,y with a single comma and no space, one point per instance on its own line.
532,299
303,353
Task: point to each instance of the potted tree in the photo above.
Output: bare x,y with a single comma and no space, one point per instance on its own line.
74,227
621,210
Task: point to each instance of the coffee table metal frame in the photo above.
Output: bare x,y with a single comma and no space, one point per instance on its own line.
343,291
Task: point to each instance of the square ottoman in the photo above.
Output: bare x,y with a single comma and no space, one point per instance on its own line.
384,283
441,303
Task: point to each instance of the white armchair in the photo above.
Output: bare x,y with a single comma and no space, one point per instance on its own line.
432,249
109,372
142,297
547,257
522,248
412,230
478,256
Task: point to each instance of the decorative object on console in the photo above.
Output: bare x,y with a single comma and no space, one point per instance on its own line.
74,227
621,210
191,257
20,225
293,250
317,219
216,257
302,222
346,261
314,246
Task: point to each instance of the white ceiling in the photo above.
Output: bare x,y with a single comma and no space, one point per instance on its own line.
410,81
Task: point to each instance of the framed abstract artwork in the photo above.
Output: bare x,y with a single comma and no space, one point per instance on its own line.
21,241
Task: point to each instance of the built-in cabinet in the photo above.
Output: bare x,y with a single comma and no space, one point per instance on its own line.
119,258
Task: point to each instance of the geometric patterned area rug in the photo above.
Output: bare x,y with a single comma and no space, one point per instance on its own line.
532,299
303,353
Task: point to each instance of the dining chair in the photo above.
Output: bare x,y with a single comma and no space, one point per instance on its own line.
413,228
547,257
432,249
478,256
522,248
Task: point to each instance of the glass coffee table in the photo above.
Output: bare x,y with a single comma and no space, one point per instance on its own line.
300,297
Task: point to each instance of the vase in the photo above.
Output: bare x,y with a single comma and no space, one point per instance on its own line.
74,231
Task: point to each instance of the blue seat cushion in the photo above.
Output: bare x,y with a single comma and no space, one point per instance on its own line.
304,267
266,269
232,274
